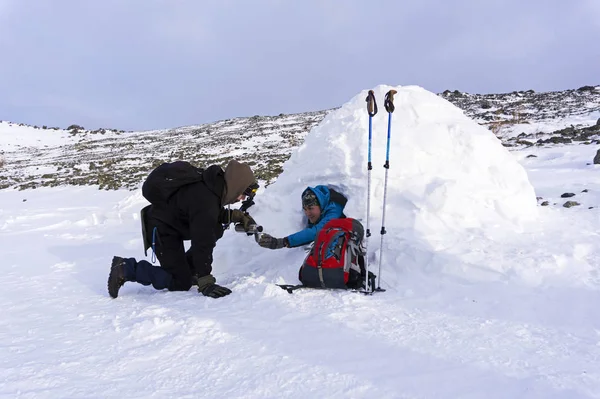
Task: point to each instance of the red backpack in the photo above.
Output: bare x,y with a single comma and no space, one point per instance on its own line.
336,259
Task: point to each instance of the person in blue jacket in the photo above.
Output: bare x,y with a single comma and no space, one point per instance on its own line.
320,205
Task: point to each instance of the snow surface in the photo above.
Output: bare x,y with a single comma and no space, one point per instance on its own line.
540,127
488,294
14,135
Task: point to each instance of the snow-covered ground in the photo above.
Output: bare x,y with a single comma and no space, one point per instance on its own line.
489,295
542,127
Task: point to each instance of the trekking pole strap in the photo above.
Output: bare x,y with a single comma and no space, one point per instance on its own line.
371,103
389,101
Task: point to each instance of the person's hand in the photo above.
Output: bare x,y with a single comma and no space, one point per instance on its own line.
268,241
207,286
242,218
215,291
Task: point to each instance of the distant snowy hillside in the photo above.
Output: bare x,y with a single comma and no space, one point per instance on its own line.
526,117
112,159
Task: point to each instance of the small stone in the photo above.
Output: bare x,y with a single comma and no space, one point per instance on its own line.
545,203
570,204
567,195
597,157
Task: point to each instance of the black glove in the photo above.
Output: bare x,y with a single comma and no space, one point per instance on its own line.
215,291
207,286
267,241
243,218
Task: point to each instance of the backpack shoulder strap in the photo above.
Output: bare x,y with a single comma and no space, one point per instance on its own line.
338,198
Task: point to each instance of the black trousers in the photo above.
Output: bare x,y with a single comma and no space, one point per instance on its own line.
176,265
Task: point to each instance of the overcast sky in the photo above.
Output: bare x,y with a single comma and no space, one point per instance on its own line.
144,64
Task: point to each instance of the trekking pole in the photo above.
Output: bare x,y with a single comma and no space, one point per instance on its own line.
389,107
372,110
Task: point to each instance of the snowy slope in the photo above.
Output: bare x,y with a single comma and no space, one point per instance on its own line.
500,309
531,114
113,159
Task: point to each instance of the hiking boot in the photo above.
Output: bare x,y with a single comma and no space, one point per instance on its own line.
116,278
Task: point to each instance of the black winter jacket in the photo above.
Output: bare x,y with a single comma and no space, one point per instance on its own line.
194,211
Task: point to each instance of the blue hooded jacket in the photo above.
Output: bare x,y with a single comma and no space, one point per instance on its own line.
329,210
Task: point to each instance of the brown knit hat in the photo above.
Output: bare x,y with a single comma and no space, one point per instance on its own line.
238,177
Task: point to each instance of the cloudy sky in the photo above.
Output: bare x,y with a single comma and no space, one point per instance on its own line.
144,64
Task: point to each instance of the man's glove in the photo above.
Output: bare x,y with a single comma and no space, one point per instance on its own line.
215,291
207,286
237,216
267,241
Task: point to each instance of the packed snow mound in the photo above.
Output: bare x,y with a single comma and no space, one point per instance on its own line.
453,190
447,173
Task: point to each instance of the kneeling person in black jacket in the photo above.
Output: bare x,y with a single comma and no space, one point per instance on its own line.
187,203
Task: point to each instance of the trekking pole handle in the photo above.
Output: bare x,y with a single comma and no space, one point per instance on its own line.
389,101
371,103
